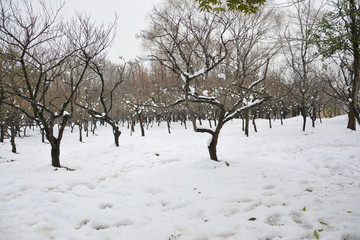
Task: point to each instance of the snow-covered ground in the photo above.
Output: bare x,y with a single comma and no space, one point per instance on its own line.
282,183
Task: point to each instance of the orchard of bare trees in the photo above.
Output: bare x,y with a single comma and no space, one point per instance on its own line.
279,61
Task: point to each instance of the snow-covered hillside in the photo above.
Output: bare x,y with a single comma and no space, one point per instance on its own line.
282,183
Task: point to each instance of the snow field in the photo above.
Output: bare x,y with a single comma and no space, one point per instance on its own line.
282,183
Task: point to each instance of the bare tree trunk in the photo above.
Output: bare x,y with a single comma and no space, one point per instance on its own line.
351,120
80,132
117,134
210,125
168,126
132,127
242,124
304,122
253,122
42,135
269,118
319,115
72,125
212,146
214,137
247,122
55,152
141,125
86,128
2,132
12,137
93,127
25,127
194,124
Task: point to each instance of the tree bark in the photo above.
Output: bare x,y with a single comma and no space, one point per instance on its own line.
168,126
185,125
254,123
247,122
132,127
242,124
80,132
194,124
141,125
117,134
12,138
214,137
42,135
55,152
269,118
304,122
212,147
2,132
353,114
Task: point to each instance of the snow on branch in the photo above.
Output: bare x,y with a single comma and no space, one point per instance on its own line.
250,104
186,76
256,83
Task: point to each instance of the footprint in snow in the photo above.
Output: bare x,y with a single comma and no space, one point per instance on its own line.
105,205
269,186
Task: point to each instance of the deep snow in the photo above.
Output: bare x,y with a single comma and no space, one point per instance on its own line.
282,183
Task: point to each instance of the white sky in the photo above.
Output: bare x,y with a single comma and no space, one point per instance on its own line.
132,18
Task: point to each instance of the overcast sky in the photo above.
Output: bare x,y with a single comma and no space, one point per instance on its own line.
132,18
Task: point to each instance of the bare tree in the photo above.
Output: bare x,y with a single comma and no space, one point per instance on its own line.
194,46
110,78
51,55
302,80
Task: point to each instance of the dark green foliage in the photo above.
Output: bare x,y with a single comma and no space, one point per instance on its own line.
245,6
335,29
